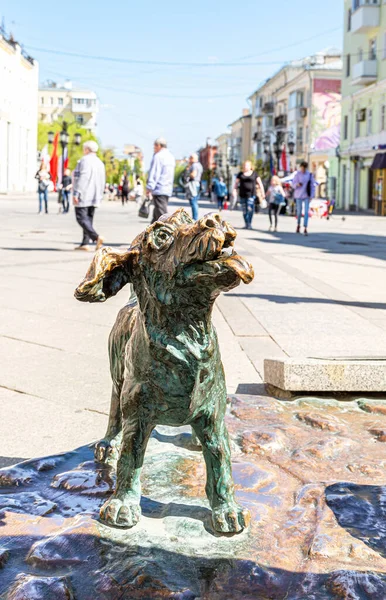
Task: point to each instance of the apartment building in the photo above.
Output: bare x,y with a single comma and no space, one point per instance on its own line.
223,150
363,135
57,101
240,140
18,126
133,154
296,114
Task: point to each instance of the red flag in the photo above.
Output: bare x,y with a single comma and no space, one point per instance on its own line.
54,160
65,162
284,160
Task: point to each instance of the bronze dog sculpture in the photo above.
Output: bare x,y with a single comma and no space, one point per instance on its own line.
164,355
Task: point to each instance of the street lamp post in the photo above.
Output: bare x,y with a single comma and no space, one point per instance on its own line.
278,146
64,138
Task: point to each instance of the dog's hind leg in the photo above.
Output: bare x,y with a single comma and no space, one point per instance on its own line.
108,448
123,508
227,515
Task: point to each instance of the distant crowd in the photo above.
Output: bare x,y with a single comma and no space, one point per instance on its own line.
86,186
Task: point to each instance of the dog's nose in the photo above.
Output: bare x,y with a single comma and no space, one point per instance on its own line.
210,221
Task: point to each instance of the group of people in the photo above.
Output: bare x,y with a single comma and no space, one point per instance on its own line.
122,190
44,181
250,190
88,184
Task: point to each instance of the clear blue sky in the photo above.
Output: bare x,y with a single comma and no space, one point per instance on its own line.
186,104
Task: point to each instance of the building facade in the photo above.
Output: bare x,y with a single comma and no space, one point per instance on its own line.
58,101
18,125
363,133
134,156
296,115
240,140
207,156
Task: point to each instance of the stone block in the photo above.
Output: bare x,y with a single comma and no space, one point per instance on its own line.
326,374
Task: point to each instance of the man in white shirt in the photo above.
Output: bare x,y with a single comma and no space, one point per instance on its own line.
161,178
89,187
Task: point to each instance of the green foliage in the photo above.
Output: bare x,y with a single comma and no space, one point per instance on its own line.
74,152
262,168
180,168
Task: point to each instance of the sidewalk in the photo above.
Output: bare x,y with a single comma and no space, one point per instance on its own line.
318,296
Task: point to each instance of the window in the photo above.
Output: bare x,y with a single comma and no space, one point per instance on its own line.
80,119
60,101
345,128
373,49
383,117
360,54
42,101
369,121
296,99
357,128
52,101
299,139
348,65
349,19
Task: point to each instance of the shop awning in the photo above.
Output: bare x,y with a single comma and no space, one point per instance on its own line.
379,161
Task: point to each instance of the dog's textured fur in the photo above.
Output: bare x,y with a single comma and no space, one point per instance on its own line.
164,355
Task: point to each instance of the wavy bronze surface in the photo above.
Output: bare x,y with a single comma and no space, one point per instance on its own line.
164,356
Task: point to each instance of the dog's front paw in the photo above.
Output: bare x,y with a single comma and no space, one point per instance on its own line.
107,449
231,518
121,513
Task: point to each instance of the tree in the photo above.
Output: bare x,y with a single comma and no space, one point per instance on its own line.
262,168
74,152
178,172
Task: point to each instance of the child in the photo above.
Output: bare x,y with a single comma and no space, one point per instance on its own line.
275,198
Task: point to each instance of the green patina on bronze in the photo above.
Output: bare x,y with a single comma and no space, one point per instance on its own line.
164,354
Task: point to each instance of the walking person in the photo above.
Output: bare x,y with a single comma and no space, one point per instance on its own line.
89,185
249,186
65,190
193,184
304,190
125,188
161,178
43,178
138,191
276,199
220,191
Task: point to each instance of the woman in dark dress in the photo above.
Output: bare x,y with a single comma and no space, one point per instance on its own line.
249,185
125,188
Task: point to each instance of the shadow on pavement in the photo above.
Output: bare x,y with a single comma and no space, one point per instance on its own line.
304,300
251,389
373,246
6,461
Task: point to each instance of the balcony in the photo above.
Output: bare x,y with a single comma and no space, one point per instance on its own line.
83,107
268,108
365,18
364,72
281,121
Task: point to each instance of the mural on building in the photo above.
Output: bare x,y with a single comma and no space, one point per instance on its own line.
326,113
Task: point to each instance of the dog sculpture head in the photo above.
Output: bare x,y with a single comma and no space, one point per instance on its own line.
176,261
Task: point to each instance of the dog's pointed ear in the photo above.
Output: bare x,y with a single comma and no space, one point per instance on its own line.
109,271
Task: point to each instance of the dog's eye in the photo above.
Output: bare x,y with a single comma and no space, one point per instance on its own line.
161,238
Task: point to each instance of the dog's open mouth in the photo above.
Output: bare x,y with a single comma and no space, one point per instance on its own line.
233,261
